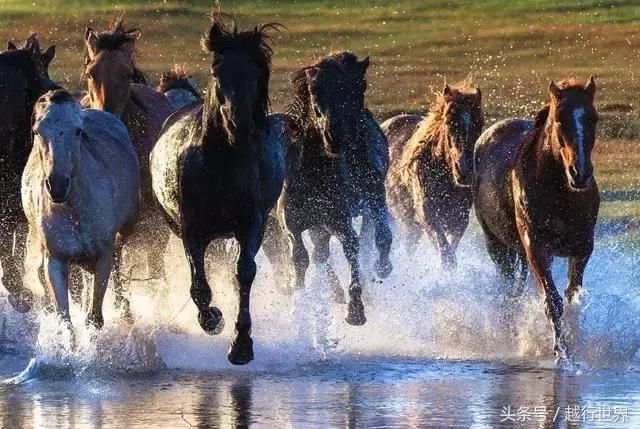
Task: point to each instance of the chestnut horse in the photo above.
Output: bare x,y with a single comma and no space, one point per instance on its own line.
116,85
22,82
428,186
535,194
218,169
179,88
337,162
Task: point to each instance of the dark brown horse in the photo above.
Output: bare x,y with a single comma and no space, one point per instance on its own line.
428,186
22,82
337,161
535,194
39,58
117,85
218,169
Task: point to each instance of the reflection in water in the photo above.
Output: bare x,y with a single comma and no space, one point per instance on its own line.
350,393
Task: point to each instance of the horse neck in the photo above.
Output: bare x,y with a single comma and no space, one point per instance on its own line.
433,146
543,155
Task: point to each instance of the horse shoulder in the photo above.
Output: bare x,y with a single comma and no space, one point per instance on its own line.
376,143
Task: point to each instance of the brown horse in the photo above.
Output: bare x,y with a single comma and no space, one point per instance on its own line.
116,85
535,194
428,186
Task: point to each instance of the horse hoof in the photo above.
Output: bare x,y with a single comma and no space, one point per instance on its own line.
384,268
241,351
21,302
355,314
211,320
95,321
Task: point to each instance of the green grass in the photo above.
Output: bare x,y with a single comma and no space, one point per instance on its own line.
512,47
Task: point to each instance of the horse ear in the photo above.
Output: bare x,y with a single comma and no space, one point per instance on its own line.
48,55
364,64
11,46
590,87
446,91
91,42
554,91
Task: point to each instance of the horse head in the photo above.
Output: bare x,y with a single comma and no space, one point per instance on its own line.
39,58
462,124
335,88
109,66
57,136
238,93
571,126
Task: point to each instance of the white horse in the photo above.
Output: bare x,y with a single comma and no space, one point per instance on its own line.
80,193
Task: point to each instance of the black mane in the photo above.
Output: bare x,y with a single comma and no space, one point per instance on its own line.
256,43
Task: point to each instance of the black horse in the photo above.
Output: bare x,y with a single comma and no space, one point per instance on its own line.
337,160
218,169
22,82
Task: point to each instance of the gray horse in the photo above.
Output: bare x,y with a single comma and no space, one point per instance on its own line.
80,193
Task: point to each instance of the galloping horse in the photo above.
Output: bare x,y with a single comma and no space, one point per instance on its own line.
337,159
218,169
179,88
80,193
535,193
21,84
116,85
428,186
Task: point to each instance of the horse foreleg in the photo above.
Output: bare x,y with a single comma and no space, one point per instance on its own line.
241,351
540,263
321,252
102,270
350,244
378,209
56,274
577,265
210,318
439,237
11,258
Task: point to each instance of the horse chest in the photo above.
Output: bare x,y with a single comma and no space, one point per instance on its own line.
72,235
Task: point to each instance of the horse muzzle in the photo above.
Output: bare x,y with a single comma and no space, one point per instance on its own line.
58,189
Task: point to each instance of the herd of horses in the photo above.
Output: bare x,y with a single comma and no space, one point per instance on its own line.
128,164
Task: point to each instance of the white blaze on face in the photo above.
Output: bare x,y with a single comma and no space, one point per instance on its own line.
578,114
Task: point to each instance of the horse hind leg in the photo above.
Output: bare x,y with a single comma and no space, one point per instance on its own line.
210,318
321,240
119,289
250,240
577,265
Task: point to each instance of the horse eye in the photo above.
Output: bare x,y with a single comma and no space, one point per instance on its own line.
78,132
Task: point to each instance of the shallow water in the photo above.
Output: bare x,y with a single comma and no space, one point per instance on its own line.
438,350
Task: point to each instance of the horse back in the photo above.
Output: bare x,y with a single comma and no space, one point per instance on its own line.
398,131
495,156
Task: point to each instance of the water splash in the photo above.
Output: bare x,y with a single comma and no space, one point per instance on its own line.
418,312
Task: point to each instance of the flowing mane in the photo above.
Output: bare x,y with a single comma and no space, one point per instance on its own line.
257,43
113,39
428,132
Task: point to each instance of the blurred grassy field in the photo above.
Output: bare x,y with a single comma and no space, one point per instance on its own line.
512,47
